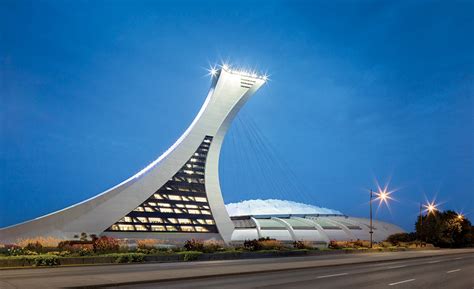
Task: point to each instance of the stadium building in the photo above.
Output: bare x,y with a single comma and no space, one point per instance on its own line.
178,197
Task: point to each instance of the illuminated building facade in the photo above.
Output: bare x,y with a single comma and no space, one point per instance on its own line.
177,197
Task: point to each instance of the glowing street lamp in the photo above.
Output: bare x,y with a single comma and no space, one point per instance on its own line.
431,208
383,196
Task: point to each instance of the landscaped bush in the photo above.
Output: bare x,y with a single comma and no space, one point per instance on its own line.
252,245
335,245
38,243
129,257
303,245
349,244
76,247
190,255
106,244
398,238
211,246
43,260
271,245
194,245
263,244
35,247
14,250
146,243
59,253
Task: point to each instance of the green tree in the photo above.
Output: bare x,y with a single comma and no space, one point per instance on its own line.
445,229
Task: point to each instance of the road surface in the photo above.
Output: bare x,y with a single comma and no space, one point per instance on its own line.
413,269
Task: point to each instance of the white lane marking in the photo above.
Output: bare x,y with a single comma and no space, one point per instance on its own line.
452,271
333,275
395,267
404,281
433,262
458,258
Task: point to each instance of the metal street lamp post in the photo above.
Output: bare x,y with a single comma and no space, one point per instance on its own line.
371,227
421,224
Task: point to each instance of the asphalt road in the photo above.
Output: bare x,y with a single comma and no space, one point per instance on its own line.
442,272
414,269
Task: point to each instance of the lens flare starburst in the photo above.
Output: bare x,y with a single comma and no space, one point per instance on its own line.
431,207
212,71
384,196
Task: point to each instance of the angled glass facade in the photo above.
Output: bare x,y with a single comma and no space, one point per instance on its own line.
180,205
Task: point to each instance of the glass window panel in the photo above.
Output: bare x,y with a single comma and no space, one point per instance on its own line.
171,228
158,228
187,228
155,220
201,229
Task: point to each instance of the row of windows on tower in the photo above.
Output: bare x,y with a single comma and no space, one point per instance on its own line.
180,205
159,228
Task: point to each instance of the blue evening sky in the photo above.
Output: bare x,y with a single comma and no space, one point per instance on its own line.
92,91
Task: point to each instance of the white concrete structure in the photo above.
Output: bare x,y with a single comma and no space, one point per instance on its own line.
318,229
177,197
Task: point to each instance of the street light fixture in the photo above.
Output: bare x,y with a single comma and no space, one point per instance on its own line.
383,196
430,208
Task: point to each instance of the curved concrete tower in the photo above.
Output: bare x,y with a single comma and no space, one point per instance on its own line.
176,197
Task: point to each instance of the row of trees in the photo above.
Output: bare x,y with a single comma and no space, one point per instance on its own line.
445,229
442,229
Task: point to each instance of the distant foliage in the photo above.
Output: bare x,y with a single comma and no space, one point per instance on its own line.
398,238
445,230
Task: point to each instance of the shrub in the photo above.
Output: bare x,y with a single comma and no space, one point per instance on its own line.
86,251
16,251
46,260
146,243
105,244
129,258
49,242
59,253
35,247
335,245
211,246
262,244
194,245
398,238
252,245
349,244
271,245
190,255
302,245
